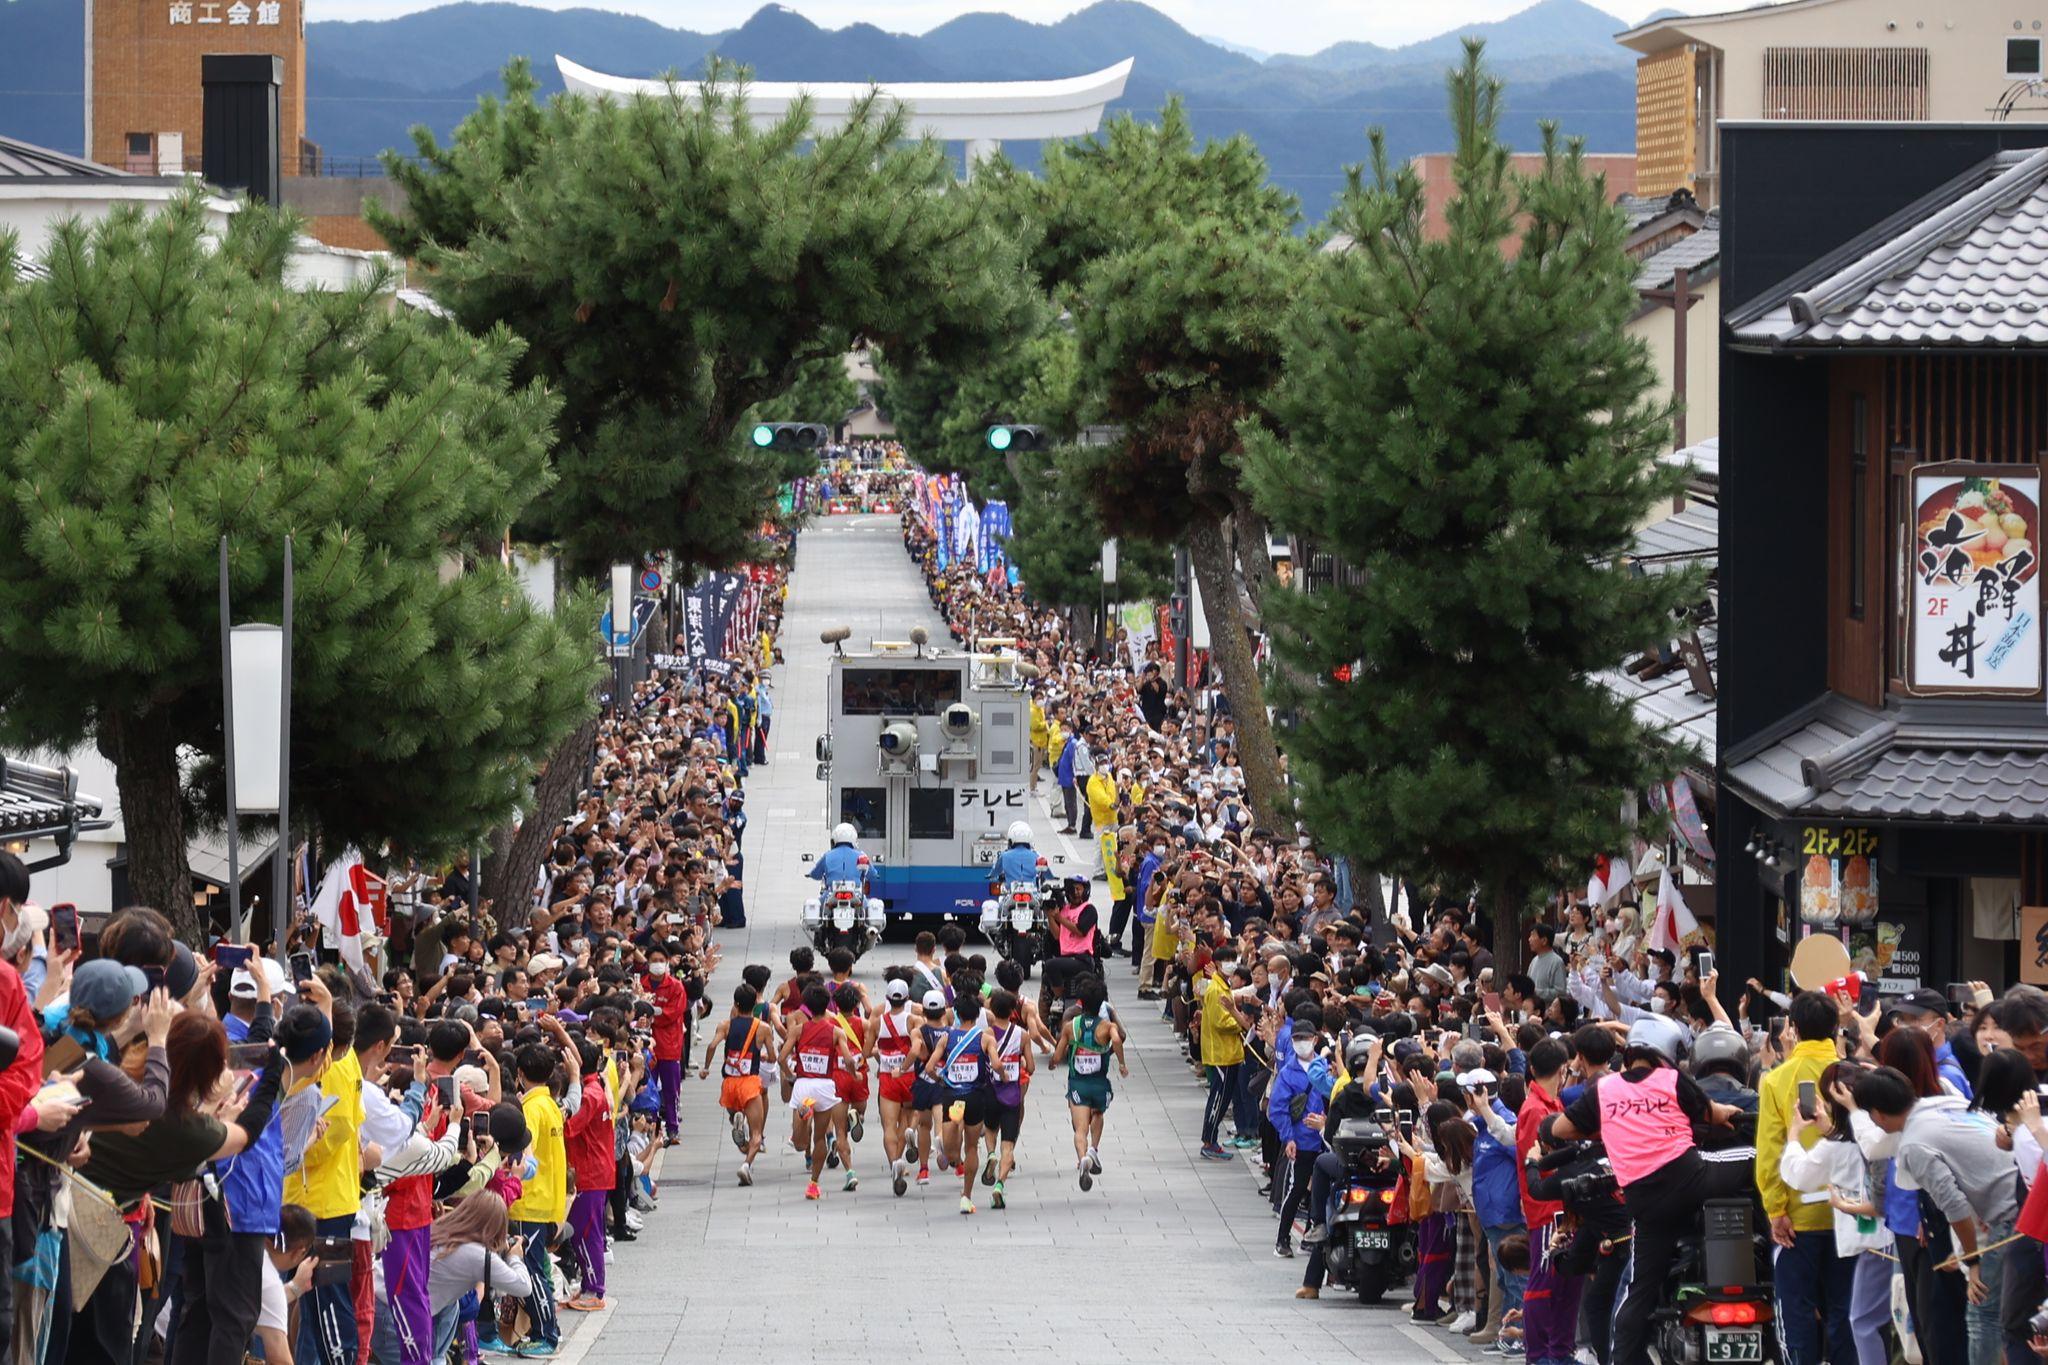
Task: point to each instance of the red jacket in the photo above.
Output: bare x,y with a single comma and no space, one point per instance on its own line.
588,1136
1539,1104
671,1013
20,1081
409,1203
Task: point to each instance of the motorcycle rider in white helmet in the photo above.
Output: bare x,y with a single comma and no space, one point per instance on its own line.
1018,862
841,862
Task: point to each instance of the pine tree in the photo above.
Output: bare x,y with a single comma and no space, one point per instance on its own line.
1177,265
157,393
1476,435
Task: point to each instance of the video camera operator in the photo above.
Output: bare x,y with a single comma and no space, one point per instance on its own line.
1645,1116
1577,1174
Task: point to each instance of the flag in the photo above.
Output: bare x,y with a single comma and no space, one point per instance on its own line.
350,903
1673,923
1610,878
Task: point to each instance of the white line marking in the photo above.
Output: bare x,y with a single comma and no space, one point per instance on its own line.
1427,1342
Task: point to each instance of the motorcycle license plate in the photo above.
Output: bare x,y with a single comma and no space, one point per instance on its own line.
842,918
1735,1344
1374,1239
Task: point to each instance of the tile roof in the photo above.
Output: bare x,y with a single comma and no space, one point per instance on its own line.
1695,253
1668,704
1703,459
38,801
1641,208
1963,267
1684,537
26,161
1843,761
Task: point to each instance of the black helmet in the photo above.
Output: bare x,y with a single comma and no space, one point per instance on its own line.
1719,1046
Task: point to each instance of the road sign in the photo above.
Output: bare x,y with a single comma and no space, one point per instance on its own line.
650,580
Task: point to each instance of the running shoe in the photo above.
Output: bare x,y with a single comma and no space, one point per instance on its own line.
1284,1250
1095,1160
924,1176
492,1346
584,1303
966,1204
1315,1234
1215,1152
746,1173
988,1170
534,1350
811,1190
852,1181
899,1182
741,1131
995,1200
832,1156
909,1147
1087,1176
858,1126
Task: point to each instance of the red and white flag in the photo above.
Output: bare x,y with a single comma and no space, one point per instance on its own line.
1611,877
350,902
1673,922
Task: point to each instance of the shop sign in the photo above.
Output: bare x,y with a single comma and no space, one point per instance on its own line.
1838,875
1885,952
229,13
2034,945
1976,623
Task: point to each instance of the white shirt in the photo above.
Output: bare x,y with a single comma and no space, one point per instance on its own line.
275,1306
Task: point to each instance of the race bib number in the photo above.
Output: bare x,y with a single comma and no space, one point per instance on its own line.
892,1063
963,1073
1087,1063
1011,1070
739,1065
814,1063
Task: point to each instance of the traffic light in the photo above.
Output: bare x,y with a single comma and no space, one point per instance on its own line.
1008,438
790,435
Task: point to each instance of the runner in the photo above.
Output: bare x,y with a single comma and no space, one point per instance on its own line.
747,1040
926,1094
926,974
961,1062
889,1041
789,1015
1012,1077
811,1053
851,1074
1087,1041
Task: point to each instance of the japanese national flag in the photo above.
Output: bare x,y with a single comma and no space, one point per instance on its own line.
1610,878
350,904
1673,923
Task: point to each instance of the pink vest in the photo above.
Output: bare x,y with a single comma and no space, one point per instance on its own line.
1642,1125
1073,943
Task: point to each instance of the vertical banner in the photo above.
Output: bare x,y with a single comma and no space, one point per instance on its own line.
2034,945
1976,623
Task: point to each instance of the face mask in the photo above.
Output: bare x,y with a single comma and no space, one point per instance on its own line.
1302,841
1659,1005
1304,1048
1159,850
1614,926
657,969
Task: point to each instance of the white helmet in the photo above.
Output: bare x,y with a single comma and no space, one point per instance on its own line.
1664,1036
843,833
1020,832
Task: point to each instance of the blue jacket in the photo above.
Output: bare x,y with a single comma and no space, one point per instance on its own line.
1496,1176
1952,1071
1147,870
1064,770
840,864
1016,865
1295,1079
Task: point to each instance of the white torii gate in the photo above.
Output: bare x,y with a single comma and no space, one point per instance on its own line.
979,113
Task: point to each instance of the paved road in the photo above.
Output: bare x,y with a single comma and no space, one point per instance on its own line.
1169,1258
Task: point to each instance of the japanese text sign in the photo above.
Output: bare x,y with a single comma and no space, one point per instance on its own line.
1976,598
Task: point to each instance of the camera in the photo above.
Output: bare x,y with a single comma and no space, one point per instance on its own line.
2037,1325
1593,1185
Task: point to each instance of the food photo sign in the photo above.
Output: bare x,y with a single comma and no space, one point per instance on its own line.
1976,625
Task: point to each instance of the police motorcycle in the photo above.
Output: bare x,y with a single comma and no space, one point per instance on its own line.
843,915
1366,1249
1014,919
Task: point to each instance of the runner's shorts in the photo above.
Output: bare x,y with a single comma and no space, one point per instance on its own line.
899,1089
1006,1119
738,1092
926,1093
975,1106
815,1094
1090,1092
853,1087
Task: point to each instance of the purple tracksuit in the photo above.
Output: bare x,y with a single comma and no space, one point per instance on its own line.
668,1075
1550,1308
586,1218
406,1264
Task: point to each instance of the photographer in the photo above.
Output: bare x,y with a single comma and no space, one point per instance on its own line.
1588,1246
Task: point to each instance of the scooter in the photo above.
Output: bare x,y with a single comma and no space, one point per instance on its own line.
843,918
1365,1248
1716,1304
1014,920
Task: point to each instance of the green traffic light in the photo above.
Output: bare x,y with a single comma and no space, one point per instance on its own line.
999,438
764,435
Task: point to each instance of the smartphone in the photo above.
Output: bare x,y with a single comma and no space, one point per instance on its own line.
444,1086
1492,1002
1958,992
335,1258
1809,1101
64,925
473,1057
232,955
1382,1116
63,1055
1405,1117
248,1056
154,976
1706,965
302,967
1476,1033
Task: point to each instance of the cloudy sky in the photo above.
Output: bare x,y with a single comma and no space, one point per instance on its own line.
1288,26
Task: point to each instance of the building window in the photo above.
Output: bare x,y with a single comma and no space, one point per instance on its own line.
141,154
1845,83
867,810
2022,59
1859,502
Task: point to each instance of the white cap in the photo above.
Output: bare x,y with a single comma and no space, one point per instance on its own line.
543,962
935,1000
1477,1076
473,1079
897,989
242,986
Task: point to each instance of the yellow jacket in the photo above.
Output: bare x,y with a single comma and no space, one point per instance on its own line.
1776,1096
1055,741
1102,798
1222,1030
546,1197
1038,726
330,1181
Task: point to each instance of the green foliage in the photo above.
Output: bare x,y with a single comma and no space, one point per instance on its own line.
156,394
821,392
1475,433
672,267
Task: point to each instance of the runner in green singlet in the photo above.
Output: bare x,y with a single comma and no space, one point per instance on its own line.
1087,1041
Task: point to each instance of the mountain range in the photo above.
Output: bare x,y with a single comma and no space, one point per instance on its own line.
368,81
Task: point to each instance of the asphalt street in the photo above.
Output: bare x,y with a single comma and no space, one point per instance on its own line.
1170,1257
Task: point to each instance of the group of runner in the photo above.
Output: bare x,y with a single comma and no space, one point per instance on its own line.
956,1048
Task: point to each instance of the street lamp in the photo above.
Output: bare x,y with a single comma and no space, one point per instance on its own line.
256,716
